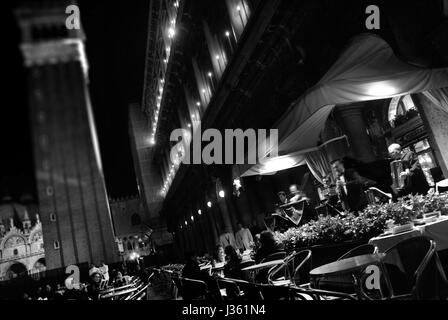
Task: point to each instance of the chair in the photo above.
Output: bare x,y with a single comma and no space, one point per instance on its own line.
291,268
232,291
274,256
359,251
275,293
412,270
140,293
194,289
248,291
307,293
178,284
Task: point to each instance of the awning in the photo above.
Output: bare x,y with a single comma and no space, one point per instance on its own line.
366,70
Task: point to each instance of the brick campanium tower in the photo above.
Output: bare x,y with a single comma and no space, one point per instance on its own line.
73,206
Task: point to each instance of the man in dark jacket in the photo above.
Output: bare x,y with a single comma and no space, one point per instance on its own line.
350,186
414,178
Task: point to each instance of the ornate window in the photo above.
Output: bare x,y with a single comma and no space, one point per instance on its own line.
14,241
400,110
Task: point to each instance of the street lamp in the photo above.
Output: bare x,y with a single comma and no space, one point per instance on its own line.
210,76
227,34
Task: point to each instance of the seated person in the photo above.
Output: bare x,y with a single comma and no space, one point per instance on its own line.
94,288
191,269
268,246
119,280
232,268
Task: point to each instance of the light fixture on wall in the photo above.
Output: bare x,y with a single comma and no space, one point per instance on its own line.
221,194
209,204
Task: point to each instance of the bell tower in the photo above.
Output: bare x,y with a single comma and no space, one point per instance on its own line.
76,221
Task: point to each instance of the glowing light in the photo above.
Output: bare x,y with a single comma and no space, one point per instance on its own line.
277,164
186,223
238,8
227,34
171,32
210,75
199,212
217,57
152,141
381,89
203,90
222,194
192,218
189,125
198,103
209,204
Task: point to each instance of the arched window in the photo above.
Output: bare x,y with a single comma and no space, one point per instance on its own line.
401,108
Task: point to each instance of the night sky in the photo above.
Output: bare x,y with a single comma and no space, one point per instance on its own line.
116,44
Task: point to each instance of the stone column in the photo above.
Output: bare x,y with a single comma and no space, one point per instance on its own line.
356,130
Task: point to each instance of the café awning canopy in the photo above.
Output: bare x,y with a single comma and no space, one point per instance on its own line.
366,70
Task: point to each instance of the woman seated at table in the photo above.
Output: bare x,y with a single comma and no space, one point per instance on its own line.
268,246
232,269
94,288
220,255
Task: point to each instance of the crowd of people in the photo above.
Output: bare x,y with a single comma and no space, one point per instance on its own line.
99,279
231,256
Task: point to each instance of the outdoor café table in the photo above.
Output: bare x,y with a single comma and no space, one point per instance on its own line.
350,266
436,230
118,293
264,265
388,240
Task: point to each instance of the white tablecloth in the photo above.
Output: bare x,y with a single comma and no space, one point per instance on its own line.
437,230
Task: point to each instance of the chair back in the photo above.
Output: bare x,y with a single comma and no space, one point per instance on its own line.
275,256
300,265
275,293
359,251
231,288
405,263
178,283
293,268
194,289
249,291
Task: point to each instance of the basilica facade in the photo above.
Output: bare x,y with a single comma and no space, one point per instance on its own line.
21,242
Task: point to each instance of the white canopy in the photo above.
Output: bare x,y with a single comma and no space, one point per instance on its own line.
366,70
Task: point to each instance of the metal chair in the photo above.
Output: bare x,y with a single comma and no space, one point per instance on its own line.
307,293
248,291
359,251
194,289
274,256
290,269
232,291
412,270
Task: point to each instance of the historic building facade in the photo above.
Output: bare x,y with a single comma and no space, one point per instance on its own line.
241,64
21,241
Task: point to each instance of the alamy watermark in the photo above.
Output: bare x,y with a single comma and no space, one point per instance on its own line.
229,146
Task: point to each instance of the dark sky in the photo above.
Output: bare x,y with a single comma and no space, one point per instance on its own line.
116,44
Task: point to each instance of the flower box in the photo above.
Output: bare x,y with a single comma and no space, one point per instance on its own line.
402,228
